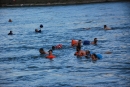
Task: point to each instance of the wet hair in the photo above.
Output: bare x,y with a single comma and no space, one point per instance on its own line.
41,26
94,55
53,47
95,40
41,49
50,50
105,26
10,33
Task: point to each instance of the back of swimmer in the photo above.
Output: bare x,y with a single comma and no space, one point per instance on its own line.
50,56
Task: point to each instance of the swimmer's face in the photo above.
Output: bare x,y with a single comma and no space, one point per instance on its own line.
87,52
93,57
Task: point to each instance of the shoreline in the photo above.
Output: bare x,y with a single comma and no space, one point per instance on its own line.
58,4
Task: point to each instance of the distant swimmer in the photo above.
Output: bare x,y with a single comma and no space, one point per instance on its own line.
79,52
59,46
10,33
106,28
41,26
76,43
94,42
88,54
10,20
108,52
50,56
41,50
38,31
79,44
96,56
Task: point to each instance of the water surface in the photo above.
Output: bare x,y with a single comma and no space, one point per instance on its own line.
22,65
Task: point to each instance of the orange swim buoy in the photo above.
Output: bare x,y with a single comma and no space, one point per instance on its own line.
74,43
50,56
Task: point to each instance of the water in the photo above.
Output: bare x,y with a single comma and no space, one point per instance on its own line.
21,64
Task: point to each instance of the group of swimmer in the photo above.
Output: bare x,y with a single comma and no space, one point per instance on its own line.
79,53
85,53
74,43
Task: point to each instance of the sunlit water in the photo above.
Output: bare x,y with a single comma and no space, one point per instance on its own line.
22,65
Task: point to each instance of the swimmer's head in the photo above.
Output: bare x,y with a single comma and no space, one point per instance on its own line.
50,51
105,26
41,49
95,41
87,52
53,47
41,26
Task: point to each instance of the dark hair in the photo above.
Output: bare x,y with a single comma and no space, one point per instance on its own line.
41,49
94,55
41,26
53,47
95,40
50,50
105,26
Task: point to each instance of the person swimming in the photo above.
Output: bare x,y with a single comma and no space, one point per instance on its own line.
41,26
9,20
59,46
10,33
36,30
50,55
41,50
94,42
96,56
106,28
79,52
88,54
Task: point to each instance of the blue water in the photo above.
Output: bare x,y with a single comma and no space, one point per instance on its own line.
21,65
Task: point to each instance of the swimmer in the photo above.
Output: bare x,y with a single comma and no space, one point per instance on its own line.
94,42
108,52
50,56
88,54
10,20
10,33
106,28
41,26
41,50
79,43
96,56
59,46
36,30
79,52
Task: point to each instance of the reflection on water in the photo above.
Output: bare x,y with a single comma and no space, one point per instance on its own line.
22,65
